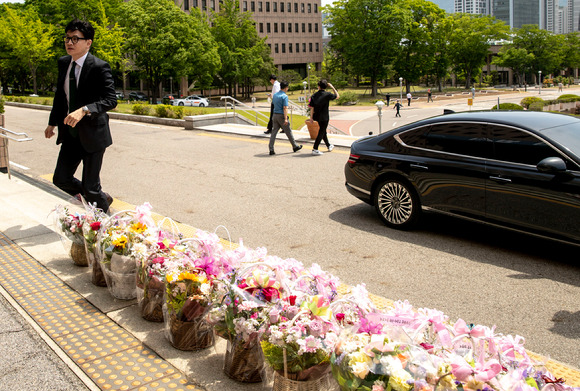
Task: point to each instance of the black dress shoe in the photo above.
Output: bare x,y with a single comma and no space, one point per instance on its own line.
109,199
267,132
297,148
272,153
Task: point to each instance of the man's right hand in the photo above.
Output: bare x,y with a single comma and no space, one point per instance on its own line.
49,131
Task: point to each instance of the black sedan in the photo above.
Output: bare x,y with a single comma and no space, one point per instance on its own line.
515,169
137,95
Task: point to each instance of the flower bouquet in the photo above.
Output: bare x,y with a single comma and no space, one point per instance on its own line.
405,349
70,227
154,256
91,228
188,299
120,238
298,343
245,297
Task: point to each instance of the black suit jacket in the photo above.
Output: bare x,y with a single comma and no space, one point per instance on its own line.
96,90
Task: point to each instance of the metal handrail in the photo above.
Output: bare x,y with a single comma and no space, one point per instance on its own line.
234,103
3,135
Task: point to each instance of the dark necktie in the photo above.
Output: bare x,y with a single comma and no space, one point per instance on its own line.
72,95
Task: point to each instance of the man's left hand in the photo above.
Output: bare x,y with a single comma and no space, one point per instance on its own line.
74,118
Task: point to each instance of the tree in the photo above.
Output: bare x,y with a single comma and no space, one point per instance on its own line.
164,41
440,38
470,41
518,59
27,38
571,50
367,34
244,55
416,53
544,45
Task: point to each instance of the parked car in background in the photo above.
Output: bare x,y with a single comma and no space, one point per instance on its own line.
167,99
515,169
119,95
138,95
191,100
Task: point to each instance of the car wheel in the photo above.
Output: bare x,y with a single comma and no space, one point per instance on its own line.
181,103
201,105
397,204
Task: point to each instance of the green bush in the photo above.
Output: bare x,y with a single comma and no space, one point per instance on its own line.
537,106
508,106
178,111
347,97
526,102
1,105
141,109
569,96
163,111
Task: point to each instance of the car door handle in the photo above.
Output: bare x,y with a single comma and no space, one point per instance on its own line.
500,179
419,166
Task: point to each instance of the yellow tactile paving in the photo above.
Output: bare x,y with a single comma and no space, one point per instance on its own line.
110,356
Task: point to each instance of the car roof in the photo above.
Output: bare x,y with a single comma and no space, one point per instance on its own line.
535,121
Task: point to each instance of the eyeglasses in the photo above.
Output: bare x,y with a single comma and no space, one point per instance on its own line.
74,39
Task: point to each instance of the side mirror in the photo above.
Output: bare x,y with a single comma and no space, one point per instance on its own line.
552,165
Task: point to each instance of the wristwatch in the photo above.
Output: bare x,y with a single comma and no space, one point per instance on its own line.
86,110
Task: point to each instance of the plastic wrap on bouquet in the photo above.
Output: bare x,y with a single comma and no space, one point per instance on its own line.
243,361
195,334
97,275
120,274
150,296
70,228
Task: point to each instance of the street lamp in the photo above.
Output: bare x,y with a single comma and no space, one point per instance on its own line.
401,85
380,105
305,84
540,82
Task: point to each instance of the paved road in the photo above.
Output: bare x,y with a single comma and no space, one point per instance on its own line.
295,205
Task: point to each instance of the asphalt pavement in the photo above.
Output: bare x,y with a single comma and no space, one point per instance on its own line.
59,332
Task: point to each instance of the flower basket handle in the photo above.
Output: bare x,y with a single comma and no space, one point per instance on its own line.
172,226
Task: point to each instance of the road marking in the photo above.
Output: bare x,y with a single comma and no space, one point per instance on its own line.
19,166
394,123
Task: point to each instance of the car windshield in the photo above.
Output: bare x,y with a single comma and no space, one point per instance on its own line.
568,136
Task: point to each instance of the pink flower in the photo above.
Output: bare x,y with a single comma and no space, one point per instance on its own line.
316,328
309,344
340,317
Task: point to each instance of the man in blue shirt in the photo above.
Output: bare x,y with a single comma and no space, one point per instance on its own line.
280,118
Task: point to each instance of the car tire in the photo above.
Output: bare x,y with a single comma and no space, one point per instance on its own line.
180,103
397,203
201,105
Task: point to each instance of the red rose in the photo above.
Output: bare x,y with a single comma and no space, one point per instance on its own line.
292,300
340,316
96,226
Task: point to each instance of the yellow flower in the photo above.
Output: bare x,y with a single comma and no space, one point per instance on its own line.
192,277
138,227
398,380
360,370
120,241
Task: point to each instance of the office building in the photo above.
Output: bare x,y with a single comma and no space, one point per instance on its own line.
473,6
293,28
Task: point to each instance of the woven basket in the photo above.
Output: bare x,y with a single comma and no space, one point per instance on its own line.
283,384
243,364
78,254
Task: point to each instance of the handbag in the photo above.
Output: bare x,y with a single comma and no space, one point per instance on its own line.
313,128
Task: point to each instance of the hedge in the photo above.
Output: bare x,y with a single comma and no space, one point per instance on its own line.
508,106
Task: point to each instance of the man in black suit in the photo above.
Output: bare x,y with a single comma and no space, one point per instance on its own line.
85,92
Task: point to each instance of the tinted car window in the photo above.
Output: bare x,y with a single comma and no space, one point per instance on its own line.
517,146
462,139
415,137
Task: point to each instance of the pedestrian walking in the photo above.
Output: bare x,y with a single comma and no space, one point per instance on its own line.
560,87
280,118
398,106
275,89
85,91
388,98
429,96
318,104
409,97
